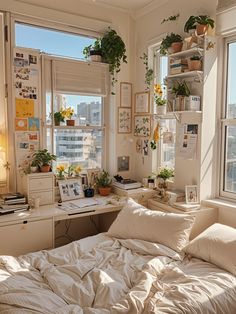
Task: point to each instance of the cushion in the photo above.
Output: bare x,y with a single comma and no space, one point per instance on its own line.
217,245
137,222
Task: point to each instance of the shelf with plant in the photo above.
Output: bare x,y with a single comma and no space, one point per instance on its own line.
199,24
187,52
186,74
43,159
172,43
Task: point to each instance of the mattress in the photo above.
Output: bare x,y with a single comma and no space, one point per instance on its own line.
102,275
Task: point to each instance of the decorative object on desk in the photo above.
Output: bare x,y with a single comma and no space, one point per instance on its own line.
172,43
34,167
44,159
103,182
124,120
92,174
126,95
125,184
191,194
88,191
159,100
70,189
123,163
164,174
142,126
141,104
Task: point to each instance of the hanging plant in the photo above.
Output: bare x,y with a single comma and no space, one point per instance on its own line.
149,74
113,52
170,18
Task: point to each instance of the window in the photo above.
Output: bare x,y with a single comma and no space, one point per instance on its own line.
166,151
51,41
228,182
69,83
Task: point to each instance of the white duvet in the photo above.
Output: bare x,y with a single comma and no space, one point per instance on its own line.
104,275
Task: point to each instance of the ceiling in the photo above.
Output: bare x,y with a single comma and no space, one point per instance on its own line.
129,5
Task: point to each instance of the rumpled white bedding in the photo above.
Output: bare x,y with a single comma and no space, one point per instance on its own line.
103,275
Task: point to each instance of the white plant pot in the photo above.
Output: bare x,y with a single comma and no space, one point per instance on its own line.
161,110
33,169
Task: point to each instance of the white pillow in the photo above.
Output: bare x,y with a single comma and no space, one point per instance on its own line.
217,245
137,222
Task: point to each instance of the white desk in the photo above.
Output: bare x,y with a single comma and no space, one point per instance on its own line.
33,230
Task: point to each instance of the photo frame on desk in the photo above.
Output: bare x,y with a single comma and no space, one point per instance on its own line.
70,189
191,194
92,174
126,94
142,103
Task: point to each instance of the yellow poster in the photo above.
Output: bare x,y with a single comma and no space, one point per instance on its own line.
24,108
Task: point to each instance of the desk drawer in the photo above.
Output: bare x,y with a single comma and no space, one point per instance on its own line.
46,197
38,184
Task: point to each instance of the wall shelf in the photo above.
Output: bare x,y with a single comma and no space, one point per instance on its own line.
188,52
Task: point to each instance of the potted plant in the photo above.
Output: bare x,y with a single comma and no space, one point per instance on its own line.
60,171
33,166
43,159
195,63
58,117
94,52
165,174
103,182
68,113
173,41
113,52
159,100
181,91
200,23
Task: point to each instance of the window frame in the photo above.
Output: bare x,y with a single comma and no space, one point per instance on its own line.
224,121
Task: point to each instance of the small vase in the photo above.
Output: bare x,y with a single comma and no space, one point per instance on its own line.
33,169
56,122
161,110
70,122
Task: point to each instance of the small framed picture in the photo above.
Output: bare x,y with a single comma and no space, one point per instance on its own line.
191,194
123,163
92,174
124,120
70,189
125,94
142,126
141,104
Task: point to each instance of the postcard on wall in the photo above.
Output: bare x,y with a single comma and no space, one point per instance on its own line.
25,58
141,104
24,108
33,124
125,94
187,141
142,126
124,120
21,124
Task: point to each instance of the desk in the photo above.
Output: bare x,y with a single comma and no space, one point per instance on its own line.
33,230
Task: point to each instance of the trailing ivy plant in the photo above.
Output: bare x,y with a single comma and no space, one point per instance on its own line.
113,52
171,18
149,74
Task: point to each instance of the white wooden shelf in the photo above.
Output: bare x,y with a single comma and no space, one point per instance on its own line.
188,52
186,74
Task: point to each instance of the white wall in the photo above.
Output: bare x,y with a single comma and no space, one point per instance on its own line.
149,31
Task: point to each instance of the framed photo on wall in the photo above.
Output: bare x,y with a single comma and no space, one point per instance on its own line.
191,194
142,103
142,126
124,120
126,94
70,189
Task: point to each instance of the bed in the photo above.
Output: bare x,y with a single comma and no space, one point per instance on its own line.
123,271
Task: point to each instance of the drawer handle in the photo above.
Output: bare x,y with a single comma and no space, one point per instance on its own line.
25,222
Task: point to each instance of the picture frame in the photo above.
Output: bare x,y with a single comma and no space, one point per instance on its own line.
191,194
142,102
124,120
142,126
70,189
126,95
123,163
92,174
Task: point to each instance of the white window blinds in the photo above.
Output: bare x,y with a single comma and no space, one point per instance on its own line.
80,77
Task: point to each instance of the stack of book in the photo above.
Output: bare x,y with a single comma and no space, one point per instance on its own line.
12,202
178,66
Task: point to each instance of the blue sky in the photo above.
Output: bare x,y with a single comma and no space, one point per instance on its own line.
57,43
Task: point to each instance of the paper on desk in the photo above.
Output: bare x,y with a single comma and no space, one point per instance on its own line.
84,202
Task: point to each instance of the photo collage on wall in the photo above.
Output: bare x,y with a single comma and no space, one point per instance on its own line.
26,89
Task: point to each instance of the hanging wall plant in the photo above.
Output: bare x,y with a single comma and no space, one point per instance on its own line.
149,74
113,52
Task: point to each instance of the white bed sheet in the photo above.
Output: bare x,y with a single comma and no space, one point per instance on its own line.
103,275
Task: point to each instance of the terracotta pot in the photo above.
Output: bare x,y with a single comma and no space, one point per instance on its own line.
45,168
104,191
195,65
176,47
70,122
201,29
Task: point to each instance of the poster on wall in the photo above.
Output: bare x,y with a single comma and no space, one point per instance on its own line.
187,141
142,126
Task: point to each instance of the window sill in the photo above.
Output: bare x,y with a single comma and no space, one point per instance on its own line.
220,203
